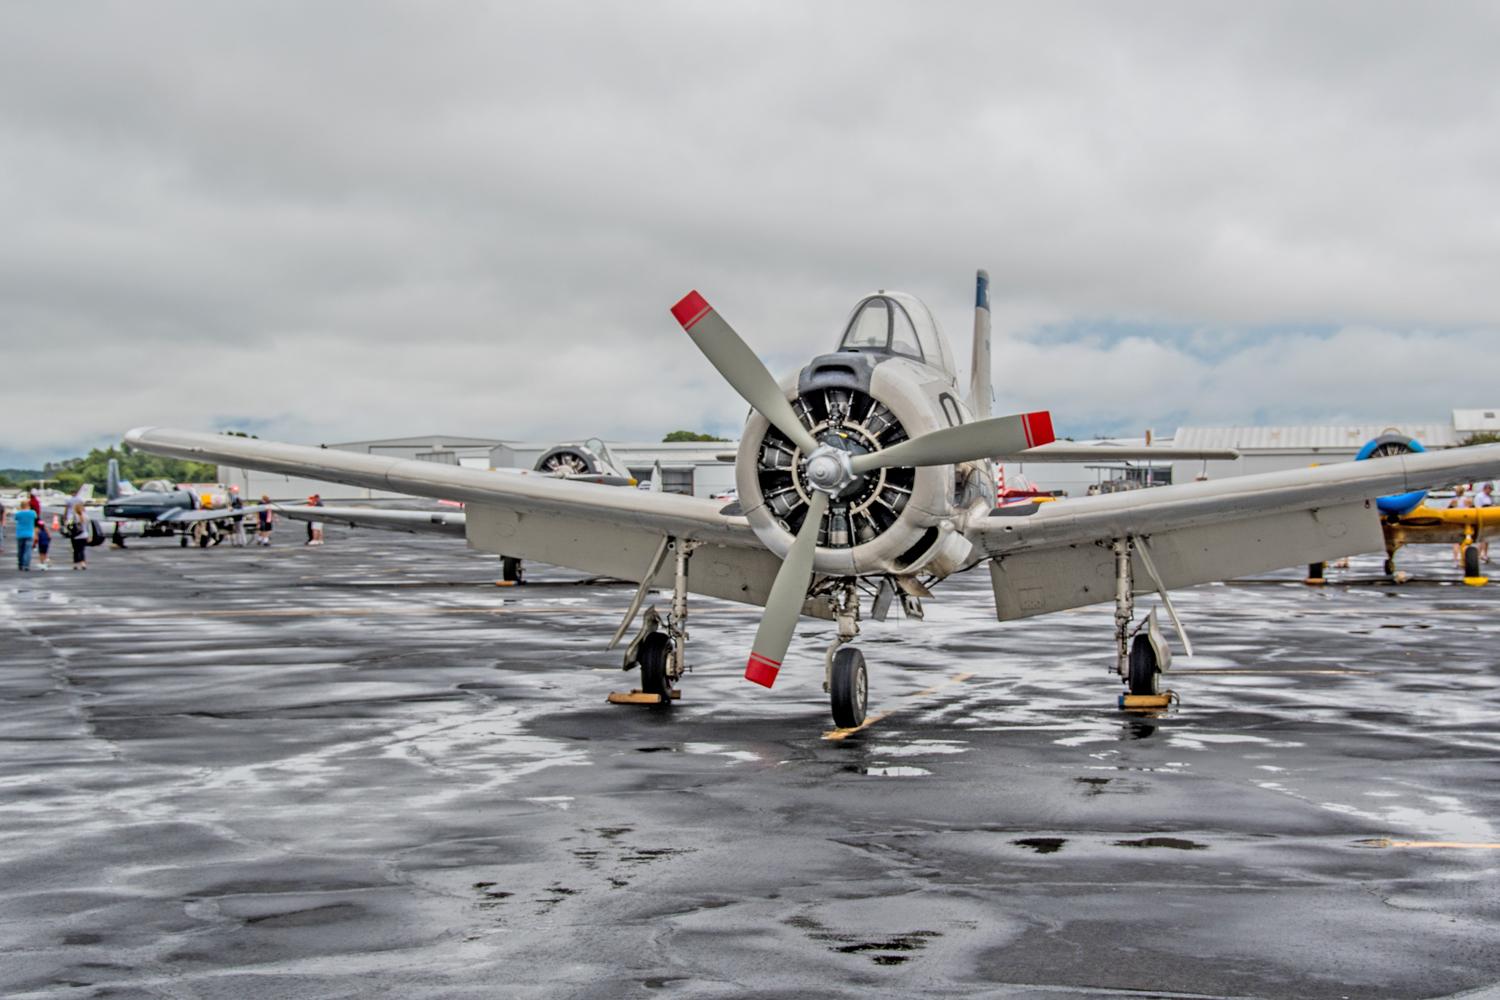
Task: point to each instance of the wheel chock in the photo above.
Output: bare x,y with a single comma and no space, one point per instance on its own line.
1147,702
638,697
1476,581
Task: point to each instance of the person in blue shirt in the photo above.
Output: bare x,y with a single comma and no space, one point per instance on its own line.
25,520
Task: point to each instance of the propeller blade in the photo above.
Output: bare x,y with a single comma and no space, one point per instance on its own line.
788,592
740,367
964,443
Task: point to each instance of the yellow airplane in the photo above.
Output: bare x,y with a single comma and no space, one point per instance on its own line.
1407,520
1424,525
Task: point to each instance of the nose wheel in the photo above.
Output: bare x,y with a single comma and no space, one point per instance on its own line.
848,687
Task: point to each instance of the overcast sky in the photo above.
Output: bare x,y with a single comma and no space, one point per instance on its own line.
332,221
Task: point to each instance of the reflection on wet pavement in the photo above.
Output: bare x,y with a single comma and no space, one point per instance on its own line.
300,772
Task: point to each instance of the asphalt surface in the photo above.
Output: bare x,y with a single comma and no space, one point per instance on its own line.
365,770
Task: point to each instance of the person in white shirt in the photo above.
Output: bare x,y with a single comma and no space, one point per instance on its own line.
1484,498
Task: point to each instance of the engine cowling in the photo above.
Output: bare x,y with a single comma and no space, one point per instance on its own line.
1394,443
895,520
570,460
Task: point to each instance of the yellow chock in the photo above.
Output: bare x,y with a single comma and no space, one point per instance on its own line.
1147,702
1315,581
639,697
1476,581
505,583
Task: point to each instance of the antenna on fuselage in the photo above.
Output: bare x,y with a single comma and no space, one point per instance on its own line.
981,396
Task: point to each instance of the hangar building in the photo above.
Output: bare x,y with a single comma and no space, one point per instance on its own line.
1271,449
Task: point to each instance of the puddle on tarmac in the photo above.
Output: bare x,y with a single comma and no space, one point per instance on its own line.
896,949
885,770
1042,845
1170,843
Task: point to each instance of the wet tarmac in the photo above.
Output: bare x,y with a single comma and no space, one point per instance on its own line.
365,770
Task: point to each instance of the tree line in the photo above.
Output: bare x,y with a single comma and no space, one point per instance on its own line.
137,466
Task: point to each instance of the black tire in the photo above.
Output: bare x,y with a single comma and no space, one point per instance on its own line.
1315,571
1390,567
655,658
1471,561
511,571
848,687
183,541
1144,675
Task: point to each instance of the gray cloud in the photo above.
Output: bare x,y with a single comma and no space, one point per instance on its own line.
354,219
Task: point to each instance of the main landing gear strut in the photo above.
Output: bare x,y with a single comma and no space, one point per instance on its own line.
1141,651
660,647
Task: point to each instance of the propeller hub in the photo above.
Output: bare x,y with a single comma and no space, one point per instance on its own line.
828,471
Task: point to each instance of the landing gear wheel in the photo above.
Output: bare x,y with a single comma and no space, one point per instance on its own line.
1144,672
1471,561
202,541
848,687
511,571
1390,568
183,541
654,655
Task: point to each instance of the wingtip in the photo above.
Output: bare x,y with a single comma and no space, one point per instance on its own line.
137,434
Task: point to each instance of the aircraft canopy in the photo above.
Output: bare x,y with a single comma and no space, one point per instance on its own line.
900,324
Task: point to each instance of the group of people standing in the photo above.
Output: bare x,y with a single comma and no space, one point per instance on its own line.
32,533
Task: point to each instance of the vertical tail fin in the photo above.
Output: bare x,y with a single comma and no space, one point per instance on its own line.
112,486
981,396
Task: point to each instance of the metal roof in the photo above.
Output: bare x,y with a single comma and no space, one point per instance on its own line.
1309,438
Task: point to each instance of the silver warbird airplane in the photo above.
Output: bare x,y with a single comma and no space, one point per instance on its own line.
868,476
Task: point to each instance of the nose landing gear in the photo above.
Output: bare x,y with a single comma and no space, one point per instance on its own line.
848,687
845,678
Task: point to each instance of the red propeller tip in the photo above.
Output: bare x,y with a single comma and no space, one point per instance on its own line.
762,670
1038,427
691,309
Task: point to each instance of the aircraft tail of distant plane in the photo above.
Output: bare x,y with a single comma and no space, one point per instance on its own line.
980,393
112,485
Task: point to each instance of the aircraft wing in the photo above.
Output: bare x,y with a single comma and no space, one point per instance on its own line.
180,516
1058,555
598,529
416,522
1072,451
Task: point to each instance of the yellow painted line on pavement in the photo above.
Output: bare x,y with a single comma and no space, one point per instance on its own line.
840,734
1458,845
1264,671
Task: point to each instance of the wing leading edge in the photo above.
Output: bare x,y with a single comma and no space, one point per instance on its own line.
1059,557
605,530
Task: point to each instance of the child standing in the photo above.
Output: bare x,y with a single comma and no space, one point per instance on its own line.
43,543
